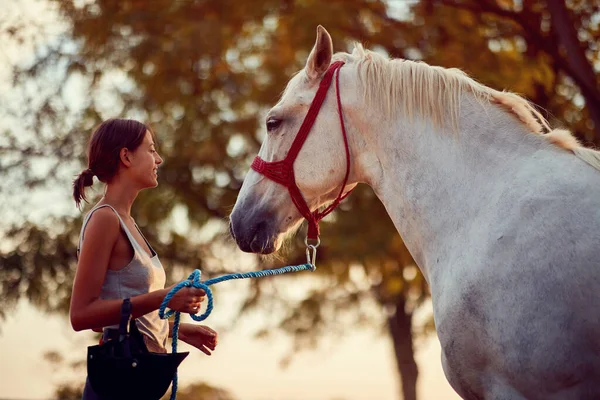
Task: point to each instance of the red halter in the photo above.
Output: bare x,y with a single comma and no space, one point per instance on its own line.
282,171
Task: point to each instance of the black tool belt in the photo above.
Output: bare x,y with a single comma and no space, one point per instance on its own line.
122,368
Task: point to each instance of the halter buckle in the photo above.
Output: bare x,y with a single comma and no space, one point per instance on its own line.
306,239
311,258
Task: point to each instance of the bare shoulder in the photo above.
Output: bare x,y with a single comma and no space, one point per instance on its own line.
103,226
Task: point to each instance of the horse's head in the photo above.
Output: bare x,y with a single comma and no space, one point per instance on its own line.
265,210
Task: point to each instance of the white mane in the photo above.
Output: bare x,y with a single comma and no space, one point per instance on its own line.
411,88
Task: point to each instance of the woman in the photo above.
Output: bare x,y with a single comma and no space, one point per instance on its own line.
115,261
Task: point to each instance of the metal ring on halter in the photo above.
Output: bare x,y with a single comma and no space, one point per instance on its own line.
311,259
314,245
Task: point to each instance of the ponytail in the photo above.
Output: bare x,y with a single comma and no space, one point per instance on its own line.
103,150
86,178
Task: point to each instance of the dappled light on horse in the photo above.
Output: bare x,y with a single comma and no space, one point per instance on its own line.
501,217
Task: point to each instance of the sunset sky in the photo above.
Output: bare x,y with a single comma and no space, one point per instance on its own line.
359,366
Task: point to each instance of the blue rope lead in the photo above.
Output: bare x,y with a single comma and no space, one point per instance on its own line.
194,281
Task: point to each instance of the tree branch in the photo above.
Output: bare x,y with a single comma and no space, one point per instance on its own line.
536,37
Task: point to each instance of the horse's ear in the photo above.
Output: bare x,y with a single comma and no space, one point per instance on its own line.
320,56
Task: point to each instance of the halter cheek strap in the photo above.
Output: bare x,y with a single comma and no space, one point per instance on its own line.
282,171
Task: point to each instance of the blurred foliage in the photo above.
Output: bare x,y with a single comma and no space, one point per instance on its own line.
197,391
69,390
202,74
200,391
547,51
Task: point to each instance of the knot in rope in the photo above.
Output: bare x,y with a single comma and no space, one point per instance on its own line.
194,281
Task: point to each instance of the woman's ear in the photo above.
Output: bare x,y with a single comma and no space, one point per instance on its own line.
125,156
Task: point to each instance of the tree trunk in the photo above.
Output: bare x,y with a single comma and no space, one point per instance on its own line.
400,325
582,71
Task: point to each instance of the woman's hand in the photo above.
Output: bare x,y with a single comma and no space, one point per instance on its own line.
200,336
186,300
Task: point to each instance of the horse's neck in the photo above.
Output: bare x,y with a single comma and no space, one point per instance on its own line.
432,183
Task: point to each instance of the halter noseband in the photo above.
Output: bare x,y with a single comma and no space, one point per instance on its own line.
282,171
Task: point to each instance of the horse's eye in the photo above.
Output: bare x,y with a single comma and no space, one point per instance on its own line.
272,124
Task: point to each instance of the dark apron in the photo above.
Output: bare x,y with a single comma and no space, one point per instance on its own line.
88,392
113,334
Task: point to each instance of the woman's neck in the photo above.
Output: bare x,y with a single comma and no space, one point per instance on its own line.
120,196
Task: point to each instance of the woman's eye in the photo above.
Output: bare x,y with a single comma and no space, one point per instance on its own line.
272,124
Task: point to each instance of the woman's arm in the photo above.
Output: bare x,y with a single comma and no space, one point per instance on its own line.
200,336
88,311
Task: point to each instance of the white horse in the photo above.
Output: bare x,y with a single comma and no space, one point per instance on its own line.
503,220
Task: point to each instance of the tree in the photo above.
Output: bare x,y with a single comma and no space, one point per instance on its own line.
545,50
210,70
202,72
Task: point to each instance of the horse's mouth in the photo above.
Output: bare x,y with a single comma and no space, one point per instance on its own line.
262,243
257,238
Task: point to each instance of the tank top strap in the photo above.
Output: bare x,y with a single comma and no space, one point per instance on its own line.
136,246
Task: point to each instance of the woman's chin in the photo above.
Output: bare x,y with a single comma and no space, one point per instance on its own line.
150,184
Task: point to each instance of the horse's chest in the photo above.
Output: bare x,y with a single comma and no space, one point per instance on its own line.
505,338
463,325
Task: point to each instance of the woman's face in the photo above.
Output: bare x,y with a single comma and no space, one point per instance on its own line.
145,162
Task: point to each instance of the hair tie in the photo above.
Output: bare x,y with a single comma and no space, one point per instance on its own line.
88,172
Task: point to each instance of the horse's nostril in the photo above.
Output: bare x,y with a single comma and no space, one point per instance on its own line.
255,246
257,236
262,241
253,231
231,230
259,228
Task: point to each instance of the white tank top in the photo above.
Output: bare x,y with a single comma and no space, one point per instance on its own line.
142,275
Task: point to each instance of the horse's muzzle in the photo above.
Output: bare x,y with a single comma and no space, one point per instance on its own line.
253,232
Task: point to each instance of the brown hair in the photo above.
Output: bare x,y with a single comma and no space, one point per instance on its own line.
103,152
